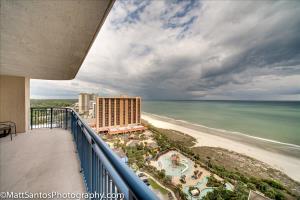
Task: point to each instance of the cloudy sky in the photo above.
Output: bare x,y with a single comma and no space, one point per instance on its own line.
191,50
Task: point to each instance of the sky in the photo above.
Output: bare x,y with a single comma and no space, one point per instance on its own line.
210,50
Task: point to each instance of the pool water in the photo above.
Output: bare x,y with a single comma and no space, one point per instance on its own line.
204,192
199,185
185,167
229,186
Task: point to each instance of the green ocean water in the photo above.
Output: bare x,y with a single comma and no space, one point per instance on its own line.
279,121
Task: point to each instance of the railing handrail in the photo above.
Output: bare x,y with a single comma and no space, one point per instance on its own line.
50,107
136,186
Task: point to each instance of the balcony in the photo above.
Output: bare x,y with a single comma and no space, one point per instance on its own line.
41,160
62,153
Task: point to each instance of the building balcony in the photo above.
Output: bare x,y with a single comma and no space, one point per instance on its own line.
62,154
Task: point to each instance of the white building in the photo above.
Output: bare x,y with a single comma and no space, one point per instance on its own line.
85,102
92,110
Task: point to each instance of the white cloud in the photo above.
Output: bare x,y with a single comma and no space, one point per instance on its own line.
207,50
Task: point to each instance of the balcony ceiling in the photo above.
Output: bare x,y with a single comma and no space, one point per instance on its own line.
48,39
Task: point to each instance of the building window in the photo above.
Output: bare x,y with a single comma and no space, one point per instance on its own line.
139,110
112,106
134,110
118,111
129,111
124,108
100,113
106,111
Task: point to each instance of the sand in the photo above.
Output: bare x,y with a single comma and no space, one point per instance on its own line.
281,156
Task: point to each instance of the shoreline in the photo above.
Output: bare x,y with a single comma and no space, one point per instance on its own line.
282,156
239,134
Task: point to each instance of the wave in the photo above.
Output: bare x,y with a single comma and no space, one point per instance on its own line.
223,130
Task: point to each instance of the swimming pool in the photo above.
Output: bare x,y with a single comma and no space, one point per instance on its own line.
185,167
229,186
199,185
204,192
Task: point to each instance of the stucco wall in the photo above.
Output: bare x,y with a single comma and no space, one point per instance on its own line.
14,101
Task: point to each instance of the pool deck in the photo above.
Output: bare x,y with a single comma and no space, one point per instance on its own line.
189,180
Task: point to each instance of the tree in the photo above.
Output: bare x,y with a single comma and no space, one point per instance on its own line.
162,173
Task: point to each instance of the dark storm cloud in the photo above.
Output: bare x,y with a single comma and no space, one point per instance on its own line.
196,50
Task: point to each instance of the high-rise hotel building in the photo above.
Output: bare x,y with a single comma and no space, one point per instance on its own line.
85,102
118,114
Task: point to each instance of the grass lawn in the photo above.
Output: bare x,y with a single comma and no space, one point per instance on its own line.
155,186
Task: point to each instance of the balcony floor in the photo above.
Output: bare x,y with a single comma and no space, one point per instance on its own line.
42,160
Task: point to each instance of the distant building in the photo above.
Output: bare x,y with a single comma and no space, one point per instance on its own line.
84,102
76,107
94,109
118,114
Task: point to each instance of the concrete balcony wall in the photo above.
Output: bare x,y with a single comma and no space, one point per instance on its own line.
14,101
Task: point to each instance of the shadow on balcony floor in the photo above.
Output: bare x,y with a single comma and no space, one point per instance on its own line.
42,160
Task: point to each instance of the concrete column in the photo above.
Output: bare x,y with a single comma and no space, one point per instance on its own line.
139,110
103,112
15,101
126,112
131,110
104,107
115,112
97,114
121,111
136,110
109,112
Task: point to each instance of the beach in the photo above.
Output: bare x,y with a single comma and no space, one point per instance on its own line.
282,156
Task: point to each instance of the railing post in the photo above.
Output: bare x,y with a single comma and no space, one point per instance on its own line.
66,118
51,111
31,117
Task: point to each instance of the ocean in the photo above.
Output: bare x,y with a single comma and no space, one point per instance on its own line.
278,121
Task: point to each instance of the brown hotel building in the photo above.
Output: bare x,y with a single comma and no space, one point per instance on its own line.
118,114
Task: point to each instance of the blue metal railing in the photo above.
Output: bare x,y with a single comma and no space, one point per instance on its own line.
103,171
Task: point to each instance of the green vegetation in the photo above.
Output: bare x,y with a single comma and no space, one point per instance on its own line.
175,136
157,187
248,167
213,182
247,183
52,102
243,182
221,193
136,154
211,159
